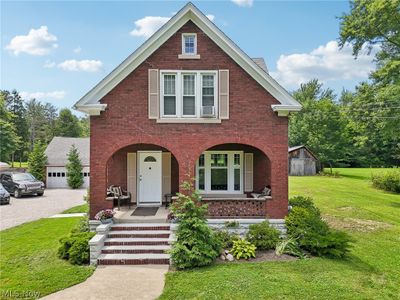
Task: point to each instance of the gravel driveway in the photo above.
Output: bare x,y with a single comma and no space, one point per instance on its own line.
30,208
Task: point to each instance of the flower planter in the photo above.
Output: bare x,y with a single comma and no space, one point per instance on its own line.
106,221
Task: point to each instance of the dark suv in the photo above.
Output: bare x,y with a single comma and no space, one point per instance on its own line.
19,184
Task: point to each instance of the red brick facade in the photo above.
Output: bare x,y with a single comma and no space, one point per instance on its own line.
251,122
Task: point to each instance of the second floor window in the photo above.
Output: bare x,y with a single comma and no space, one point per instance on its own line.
188,94
189,44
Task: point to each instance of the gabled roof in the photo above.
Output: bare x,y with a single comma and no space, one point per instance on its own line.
291,149
90,102
57,150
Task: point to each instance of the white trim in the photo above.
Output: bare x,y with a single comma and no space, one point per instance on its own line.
189,120
284,110
186,56
188,12
138,179
183,43
231,172
92,109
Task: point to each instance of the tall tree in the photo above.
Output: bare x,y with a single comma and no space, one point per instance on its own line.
85,126
8,137
37,161
15,105
319,125
74,169
67,124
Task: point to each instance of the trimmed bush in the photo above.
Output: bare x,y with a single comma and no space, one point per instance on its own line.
226,238
196,244
75,248
243,249
314,235
263,235
388,181
305,202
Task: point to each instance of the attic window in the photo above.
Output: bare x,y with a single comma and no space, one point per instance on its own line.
189,44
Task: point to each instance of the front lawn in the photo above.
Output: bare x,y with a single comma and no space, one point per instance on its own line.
84,208
350,203
29,262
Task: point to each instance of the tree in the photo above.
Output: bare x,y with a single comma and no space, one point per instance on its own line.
8,137
85,126
320,124
67,124
37,161
74,169
15,105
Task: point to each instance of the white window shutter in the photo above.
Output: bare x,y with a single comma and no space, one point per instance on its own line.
248,172
154,91
166,173
131,174
223,94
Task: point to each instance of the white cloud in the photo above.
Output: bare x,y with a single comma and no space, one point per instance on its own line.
146,26
77,49
85,65
36,42
326,63
49,64
211,17
243,3
43,95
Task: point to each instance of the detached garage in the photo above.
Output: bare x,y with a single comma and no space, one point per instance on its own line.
57,159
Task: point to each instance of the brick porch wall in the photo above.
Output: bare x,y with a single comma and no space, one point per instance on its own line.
236,208
125,122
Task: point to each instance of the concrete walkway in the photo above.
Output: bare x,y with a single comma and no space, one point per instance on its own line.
118,282
72,215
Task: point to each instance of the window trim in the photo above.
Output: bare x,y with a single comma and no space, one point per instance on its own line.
179,94
231,172
183,43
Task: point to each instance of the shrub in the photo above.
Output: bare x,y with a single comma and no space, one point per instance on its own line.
196,244
74,169
334,174
289,246
226,238
83,226
314,235
231,224
75,248
243,249
305,202
263,235
388,181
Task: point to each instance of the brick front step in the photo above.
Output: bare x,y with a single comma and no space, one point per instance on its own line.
133,259
135,227
135,249
139,234
136,241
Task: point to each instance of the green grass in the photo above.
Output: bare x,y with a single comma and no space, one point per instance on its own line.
84,208
370,216
29,262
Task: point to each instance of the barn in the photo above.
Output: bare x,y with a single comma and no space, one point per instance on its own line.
302,162
57,158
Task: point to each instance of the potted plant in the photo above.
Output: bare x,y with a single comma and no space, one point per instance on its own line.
105,216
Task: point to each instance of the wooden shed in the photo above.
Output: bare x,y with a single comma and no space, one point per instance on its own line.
302,162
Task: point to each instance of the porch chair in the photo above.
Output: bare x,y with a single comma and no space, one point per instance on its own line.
121,196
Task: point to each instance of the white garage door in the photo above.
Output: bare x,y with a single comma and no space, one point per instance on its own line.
56,177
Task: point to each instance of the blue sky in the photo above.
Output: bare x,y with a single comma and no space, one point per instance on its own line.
57,51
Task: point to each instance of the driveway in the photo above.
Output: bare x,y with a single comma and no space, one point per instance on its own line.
30,208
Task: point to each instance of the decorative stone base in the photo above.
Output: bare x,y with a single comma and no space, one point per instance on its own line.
96,243
93,225
243,225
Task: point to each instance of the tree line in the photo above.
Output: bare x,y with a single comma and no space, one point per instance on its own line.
360,128
25,123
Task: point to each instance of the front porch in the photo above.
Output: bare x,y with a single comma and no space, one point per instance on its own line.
229,178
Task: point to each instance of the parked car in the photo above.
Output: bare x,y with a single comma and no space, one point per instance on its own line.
4,195
18,184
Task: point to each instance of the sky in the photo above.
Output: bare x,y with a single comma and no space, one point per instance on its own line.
57,51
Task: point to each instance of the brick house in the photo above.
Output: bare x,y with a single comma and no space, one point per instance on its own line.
190,102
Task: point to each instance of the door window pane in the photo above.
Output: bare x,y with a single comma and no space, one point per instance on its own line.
219,179
201,160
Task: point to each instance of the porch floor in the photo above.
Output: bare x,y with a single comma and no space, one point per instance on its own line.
124,216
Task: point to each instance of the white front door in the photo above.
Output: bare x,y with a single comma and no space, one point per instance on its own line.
149,178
